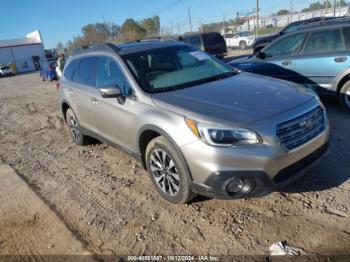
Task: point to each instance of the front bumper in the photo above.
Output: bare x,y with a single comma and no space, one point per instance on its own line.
267,166
262,184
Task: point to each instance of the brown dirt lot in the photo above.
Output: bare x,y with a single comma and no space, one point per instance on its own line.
105,197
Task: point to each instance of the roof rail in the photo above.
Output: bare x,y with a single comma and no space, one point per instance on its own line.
157,39
325,22
98,47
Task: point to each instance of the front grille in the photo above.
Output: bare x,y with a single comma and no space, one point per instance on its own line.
295,168
297,131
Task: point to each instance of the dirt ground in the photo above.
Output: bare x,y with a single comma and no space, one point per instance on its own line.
106,200
27,224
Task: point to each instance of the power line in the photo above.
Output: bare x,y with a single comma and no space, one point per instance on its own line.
164,8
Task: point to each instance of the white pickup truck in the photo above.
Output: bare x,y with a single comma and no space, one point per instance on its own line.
241,40
5,71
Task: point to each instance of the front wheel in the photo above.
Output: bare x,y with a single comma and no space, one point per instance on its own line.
344,96
242,45
168,171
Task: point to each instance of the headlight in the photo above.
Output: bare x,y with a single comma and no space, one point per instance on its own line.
218,136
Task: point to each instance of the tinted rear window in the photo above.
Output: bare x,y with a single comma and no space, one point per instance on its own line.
68,71
5,67
193,40
211,39
86,71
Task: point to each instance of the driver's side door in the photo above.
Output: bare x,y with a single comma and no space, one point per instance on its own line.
113,119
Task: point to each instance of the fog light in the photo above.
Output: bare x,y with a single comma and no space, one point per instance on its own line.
239,185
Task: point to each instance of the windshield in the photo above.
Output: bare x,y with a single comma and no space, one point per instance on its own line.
4,67
171,68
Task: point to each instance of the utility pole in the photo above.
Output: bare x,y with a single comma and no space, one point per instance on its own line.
334,7
75,42
223,25
178,28
291,11
257,17
189,18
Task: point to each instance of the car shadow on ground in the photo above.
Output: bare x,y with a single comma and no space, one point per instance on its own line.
333,169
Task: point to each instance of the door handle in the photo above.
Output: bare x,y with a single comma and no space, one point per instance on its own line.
94,101
286,63
341,59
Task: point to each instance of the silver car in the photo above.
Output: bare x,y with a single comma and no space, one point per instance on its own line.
197,126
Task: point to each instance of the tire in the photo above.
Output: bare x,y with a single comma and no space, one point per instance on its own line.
242,45
168,172
344,96
74,128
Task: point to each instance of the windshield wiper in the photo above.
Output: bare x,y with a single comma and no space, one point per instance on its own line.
196,82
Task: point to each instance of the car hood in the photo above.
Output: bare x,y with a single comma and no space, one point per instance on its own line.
246,63
237,100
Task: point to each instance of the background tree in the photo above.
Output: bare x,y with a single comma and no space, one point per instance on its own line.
283,12
151,25
60,48
131,30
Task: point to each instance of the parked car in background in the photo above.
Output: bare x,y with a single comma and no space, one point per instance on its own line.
197,126
263,41
213,43
241,40
317,56
48,71
5,71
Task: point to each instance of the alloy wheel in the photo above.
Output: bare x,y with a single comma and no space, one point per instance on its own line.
164,172
347,97
73,125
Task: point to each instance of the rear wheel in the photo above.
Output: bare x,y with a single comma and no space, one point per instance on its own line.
344,96
168,171
74,128
242,45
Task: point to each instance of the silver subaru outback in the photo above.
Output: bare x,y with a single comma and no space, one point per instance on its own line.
197,126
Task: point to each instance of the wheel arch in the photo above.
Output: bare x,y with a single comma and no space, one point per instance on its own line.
64,107
341,82
146,134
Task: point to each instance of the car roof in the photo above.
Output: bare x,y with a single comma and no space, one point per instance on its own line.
324,23
140,46
129,47
199,33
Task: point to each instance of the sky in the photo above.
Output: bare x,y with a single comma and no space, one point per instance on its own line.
60,20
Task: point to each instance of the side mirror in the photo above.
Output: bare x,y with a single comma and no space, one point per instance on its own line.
261,55
113,92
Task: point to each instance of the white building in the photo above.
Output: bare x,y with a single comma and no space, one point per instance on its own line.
283,20
26,53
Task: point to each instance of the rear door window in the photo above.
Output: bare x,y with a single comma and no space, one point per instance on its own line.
86,71
212,39
193,40
69,70
324,41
